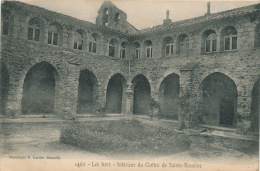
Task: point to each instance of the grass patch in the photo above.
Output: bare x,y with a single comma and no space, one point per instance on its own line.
123,136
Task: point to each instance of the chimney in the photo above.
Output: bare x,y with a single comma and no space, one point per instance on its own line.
208,8
167,21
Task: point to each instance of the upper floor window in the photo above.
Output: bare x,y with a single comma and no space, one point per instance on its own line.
229,35
53,35
93,44
5,22
148,45
169,46
34,29
257,36
211,43
123,50
182,44
137,50
78,40
112,48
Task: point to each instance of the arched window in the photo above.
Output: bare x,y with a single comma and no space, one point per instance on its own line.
93,44
112,48
229,35
148,46
169,46
137,50
257,36
123,50
184,45
34,29
5,22
53,35
117,17
105,17
78,41
211,43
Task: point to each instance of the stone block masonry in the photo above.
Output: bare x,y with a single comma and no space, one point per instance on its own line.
203,70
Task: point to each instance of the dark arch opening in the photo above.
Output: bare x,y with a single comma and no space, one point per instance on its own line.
39,89
142,95
219,100
4,87
168,97
87,92
115,94
255,109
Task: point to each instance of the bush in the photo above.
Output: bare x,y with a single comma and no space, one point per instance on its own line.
123,136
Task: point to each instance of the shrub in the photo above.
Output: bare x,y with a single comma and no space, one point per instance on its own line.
123,136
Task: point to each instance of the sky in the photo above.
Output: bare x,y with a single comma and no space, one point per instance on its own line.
140,13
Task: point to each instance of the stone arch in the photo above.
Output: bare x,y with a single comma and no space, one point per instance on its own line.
255,107
165,74
214,28
142,95
218,100
39,89
230,24
87,92
231,75
34,15
168,96
4,87
115,92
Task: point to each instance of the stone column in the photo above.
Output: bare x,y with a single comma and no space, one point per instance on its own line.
129,99
243,114
186,97
183,118
13,104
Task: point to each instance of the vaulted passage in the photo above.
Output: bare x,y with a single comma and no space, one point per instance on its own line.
39,89
115,94
255,109
142,95
4,84
87,92
219,100
168,97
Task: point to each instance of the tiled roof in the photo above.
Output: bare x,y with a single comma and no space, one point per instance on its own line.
219,15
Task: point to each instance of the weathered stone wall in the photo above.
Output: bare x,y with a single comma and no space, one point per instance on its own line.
240,65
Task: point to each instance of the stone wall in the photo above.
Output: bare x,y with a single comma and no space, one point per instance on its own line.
241,65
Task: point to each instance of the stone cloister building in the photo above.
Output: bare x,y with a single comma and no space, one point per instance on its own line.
203,70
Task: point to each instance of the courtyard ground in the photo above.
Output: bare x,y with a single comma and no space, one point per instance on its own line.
22,137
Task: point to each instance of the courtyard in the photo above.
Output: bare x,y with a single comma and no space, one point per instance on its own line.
39,137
